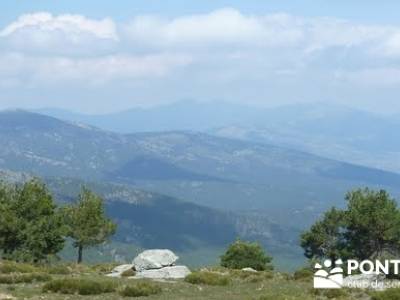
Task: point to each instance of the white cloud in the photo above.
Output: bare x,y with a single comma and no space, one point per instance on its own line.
391,46
33,71
376,77
65,34
225,28
221,27
230,28
223,52
72,24
326,33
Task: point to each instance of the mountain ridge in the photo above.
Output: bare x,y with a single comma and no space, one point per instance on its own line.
335,131
222,173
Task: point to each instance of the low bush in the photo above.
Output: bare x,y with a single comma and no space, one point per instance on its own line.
252,276
24,278
207,278
389,294
246,255
58,270
80,286
103,268
258,278
7,267
303,274
128,273
140,289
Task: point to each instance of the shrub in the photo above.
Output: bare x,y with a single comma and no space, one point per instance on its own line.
252,276
140,289
259,277
254,279
24,278
7,267
207,278
389,294
58,270
128,273
246,255
79,286
103,268
81,268
303,274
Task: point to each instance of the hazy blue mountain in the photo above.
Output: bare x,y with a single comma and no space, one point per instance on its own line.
149,219
293,187
182,115
151,168
333,131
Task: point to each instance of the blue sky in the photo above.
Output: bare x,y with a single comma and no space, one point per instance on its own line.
101,56
384,11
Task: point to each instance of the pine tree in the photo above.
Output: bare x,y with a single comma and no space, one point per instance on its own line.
31,227
88,225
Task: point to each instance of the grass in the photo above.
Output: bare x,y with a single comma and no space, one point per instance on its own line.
85,282
8,267
80,286
59,269
391,294
24,278
332,294
140,289
251,276
207,278
303,274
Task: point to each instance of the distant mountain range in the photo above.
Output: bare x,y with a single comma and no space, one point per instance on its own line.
333,131
182,115
201,168
227,186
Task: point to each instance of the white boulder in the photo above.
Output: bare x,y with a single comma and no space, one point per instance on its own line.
173,272
154,259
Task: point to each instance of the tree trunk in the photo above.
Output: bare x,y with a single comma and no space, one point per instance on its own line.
80,250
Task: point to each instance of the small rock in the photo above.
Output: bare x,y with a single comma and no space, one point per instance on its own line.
117,271
113,275
174,272
249,270
122,268
154,259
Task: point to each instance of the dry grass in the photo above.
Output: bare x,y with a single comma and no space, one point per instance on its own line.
209,284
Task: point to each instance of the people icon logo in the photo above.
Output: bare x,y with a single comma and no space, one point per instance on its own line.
329,280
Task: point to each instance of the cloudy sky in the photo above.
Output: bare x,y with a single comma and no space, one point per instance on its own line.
103,56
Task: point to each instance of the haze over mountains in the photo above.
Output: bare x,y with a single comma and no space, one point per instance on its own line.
173,183
329,130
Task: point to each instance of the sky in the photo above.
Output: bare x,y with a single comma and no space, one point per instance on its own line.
105,56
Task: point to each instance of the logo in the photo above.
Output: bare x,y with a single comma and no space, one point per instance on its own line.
366,274
328,276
